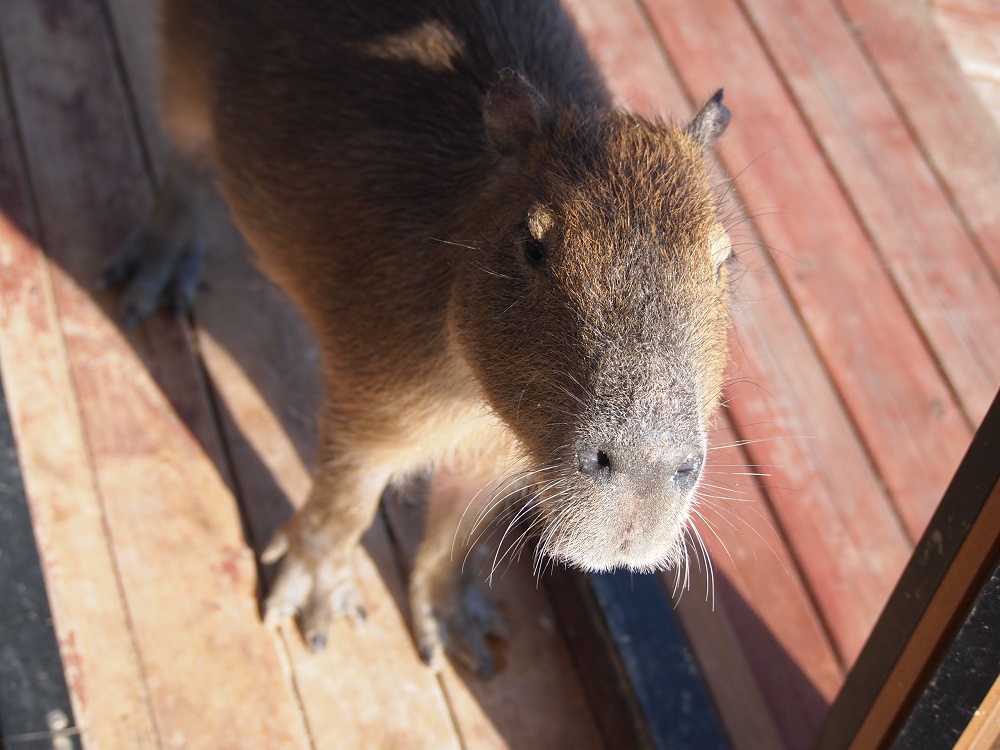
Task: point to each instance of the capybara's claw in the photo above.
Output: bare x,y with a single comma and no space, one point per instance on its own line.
315,589
460,627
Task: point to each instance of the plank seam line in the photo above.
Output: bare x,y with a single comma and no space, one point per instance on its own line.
206,386
126,91
52,307
398,557
914,132
813,346
211,397
887,268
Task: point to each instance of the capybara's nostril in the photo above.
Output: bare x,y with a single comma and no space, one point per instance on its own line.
687,472
593,462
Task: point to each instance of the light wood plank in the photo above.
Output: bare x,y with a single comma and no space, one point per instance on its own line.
103,671
959,137
983,730
213,675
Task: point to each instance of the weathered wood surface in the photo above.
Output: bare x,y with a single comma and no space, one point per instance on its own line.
865,349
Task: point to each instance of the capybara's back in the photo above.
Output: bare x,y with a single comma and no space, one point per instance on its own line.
515,285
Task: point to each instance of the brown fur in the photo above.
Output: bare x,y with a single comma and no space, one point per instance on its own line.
510,281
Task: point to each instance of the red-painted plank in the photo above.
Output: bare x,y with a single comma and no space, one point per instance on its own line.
944,281
954,129
903,408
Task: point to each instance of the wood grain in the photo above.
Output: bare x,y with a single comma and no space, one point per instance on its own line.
946,284
956,132
102,666
884,373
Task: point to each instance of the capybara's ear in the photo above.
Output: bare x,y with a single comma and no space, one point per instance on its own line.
515,114
710,123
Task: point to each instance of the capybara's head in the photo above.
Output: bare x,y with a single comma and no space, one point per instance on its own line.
594,315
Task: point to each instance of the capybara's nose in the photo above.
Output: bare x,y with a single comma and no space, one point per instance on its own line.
668,468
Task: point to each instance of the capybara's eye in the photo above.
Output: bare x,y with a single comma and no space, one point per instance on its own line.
534,250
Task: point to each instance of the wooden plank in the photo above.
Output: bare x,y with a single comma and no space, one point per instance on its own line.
177,539
960,139
946,284
106,685
983,732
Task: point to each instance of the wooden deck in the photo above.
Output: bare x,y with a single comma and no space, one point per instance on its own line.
866,348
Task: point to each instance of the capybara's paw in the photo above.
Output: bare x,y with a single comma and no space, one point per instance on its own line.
459,625
155,269
314,585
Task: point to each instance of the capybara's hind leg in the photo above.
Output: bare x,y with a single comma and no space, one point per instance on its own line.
158,266
450,613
